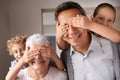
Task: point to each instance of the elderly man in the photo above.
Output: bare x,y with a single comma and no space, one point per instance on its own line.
88,57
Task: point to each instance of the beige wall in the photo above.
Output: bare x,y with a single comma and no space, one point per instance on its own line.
117,21
4,34
24,16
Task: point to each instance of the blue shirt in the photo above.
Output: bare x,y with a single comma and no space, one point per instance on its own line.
14,62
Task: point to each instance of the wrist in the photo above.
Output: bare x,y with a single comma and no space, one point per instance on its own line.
21,61
90,25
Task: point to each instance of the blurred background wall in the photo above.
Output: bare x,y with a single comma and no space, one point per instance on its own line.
27,17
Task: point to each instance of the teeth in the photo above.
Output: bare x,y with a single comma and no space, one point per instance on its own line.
38,61
73,36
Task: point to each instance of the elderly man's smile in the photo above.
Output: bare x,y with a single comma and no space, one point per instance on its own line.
74,36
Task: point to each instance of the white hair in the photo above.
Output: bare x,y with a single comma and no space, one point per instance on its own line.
37,39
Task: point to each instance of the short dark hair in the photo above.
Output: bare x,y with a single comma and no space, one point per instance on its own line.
68,5
102,5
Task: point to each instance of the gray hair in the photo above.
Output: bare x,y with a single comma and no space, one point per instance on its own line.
37,39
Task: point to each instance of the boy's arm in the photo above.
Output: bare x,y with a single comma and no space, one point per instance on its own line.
12,74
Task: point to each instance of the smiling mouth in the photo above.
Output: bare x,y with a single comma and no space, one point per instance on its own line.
38,61
19,58
74,36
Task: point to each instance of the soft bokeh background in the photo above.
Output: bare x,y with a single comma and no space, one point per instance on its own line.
33,16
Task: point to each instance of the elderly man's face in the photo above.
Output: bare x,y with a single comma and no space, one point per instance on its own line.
75,35
40,61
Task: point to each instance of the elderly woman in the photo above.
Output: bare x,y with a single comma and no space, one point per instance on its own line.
37,55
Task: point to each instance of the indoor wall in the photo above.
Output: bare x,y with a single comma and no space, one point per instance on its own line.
25,16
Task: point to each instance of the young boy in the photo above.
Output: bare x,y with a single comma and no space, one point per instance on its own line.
15,47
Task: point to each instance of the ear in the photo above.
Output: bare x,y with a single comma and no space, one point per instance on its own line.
91,18
58,23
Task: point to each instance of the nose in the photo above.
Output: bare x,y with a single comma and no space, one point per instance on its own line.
70,30
105,23
38,57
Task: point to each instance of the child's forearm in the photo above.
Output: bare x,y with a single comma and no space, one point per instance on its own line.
12,74
105,31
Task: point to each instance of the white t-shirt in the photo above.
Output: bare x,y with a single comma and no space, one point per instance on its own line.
53,74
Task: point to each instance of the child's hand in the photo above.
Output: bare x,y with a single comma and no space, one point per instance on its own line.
80,21
28,56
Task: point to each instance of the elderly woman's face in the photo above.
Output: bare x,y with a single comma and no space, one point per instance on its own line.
39,60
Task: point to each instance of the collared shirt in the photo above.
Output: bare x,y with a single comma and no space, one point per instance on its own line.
96,64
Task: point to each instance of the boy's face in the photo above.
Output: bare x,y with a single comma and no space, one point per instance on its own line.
17,50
